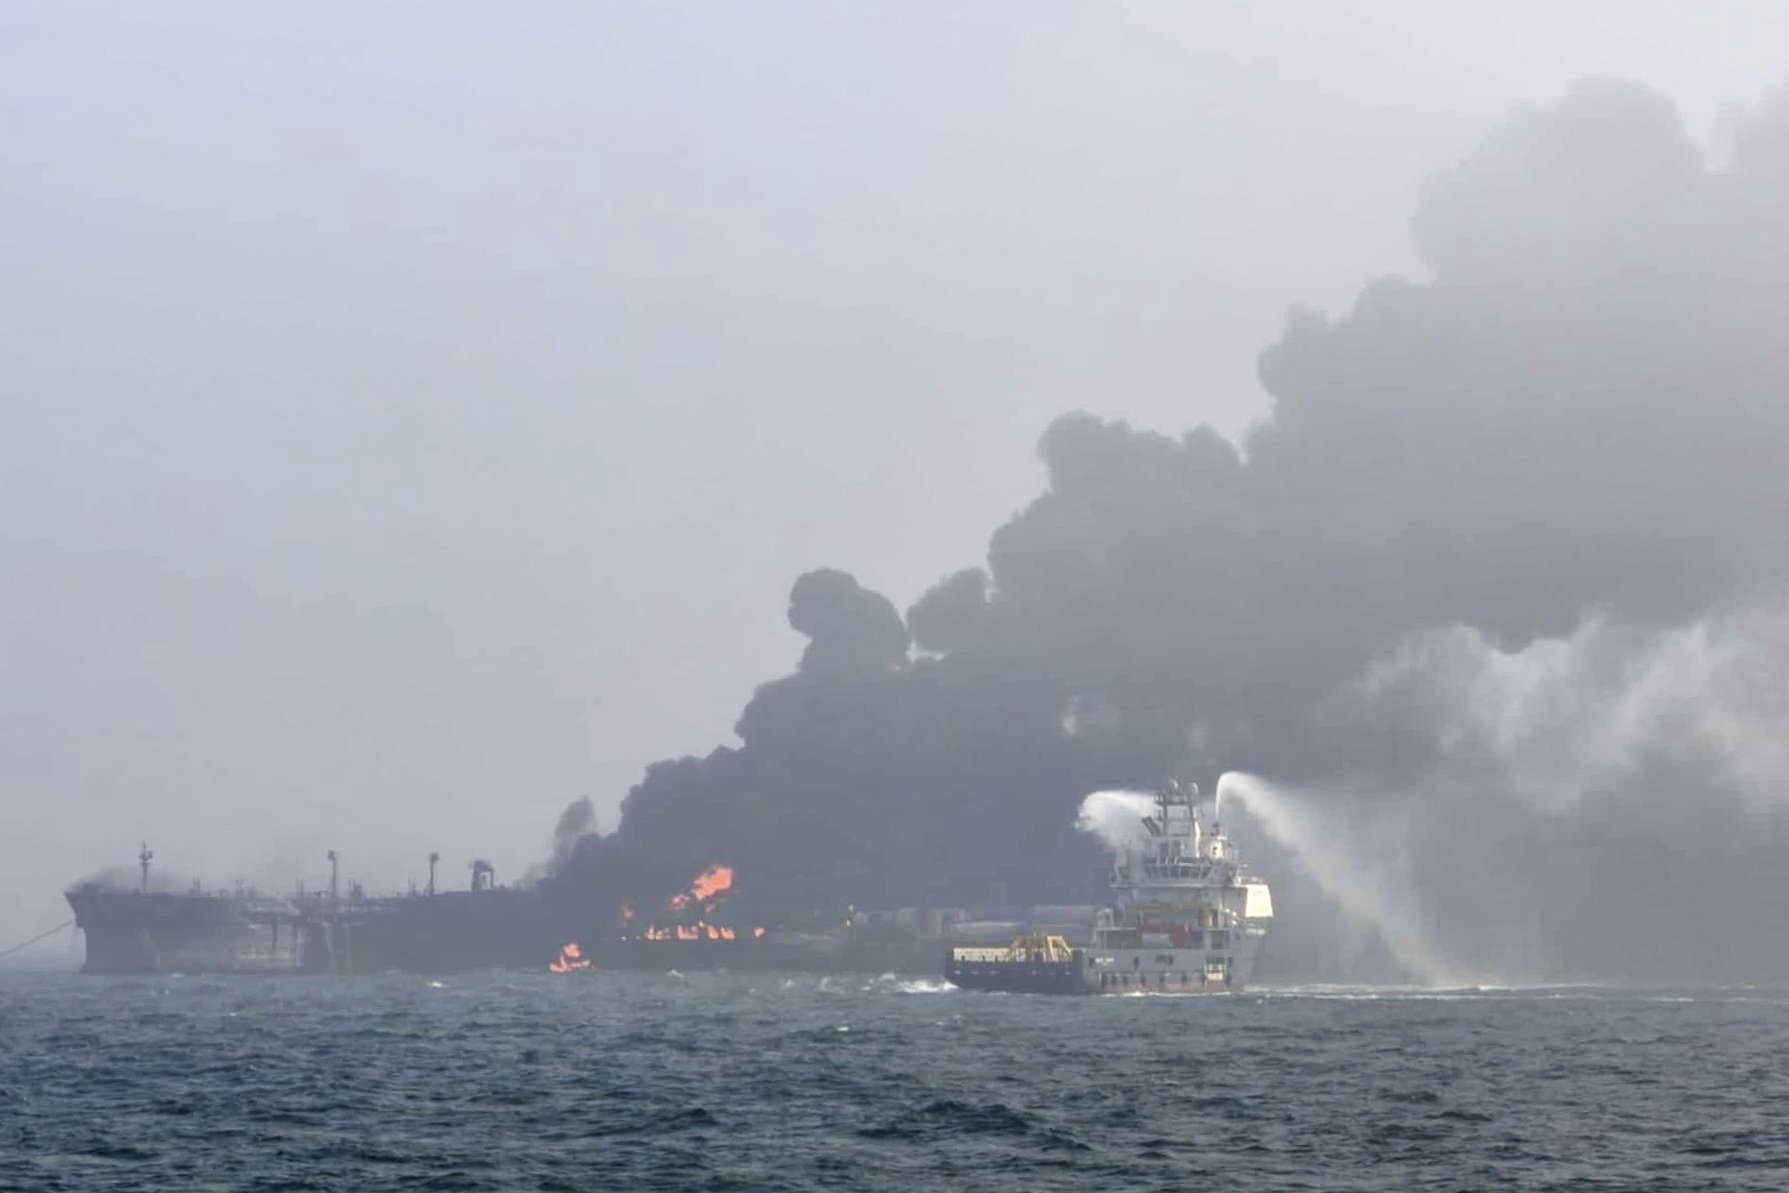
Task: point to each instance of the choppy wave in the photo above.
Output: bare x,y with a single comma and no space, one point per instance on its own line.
511,1082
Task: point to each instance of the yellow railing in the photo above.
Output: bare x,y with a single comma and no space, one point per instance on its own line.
1035,947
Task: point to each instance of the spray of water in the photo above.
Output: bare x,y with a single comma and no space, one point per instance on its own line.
1363,887
1116,818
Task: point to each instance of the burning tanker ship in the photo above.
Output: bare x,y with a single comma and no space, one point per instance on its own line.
137,929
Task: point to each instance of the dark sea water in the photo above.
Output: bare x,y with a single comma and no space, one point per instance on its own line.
610,1081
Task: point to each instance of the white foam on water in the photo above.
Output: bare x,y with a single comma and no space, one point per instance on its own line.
925,986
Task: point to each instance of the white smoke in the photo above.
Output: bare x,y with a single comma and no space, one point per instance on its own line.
1563,788
1089,715
1564,717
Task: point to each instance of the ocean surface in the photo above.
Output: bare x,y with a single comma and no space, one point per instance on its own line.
739,1081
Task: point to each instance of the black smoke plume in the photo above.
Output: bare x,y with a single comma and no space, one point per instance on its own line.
1571,436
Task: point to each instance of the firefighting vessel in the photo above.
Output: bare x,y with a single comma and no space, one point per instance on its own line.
1186,917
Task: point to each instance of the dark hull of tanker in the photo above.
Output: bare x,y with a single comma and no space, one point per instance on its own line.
129,932
907,958
1020,977
145,933
658,956
137,933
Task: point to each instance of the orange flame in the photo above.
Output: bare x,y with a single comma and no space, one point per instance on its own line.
627,913
571,957
707,889
757,932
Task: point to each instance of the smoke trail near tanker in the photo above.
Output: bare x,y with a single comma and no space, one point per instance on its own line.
1452,591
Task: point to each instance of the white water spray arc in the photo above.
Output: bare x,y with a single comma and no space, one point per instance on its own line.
1116,818
1332,860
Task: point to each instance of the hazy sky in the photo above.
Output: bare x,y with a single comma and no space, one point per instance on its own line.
412,416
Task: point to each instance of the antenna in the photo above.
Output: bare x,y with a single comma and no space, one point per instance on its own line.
143,856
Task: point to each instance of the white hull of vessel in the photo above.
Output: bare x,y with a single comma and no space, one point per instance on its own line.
1173,971
1187,918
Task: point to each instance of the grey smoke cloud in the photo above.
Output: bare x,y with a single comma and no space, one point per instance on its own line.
1491,569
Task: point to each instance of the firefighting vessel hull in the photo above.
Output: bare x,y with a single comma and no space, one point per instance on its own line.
1020,976
1113,971
1186,918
